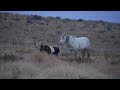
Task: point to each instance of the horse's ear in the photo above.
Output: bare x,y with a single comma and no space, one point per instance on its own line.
64,34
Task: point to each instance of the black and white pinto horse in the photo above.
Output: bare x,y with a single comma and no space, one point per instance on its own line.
81,44
50,49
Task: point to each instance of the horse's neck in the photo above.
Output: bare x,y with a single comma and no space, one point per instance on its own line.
71,40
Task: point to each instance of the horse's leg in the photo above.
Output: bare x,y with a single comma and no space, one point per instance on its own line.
75,54
83,54
88,53
84,51
78,58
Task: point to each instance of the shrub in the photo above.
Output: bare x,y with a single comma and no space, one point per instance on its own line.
58,27
116,42
17,19
47,20
58,17
101,21
36,17
67,19
105,41
72,29
10,57
80,19
64,21
42,23
29,20
59,32
5,18
112,36
109,27
102,31
50,17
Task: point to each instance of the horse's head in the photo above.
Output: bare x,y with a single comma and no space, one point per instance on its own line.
64,39
41,47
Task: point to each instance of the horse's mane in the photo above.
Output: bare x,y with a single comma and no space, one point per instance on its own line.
71,36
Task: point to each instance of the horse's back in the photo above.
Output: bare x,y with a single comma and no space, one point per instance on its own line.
56,49
83,42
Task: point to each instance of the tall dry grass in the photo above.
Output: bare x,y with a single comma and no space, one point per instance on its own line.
38,65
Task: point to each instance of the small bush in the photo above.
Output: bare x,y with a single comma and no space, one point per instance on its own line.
46,20
80,19
36,17
101,21
112,36
114,62
67,19
109,27
72,29
29,20
17,19
102,31
116,42
58,17
14,42
51,17
58,27
103,41
64,21
10,57
7,57
42,23
59,32
5,18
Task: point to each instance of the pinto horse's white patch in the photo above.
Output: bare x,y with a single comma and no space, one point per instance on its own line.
52,49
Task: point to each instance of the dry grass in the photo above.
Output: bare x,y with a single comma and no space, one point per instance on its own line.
38,65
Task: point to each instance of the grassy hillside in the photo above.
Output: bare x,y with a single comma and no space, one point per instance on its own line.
20,59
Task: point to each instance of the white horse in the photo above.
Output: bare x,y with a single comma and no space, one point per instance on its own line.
77,44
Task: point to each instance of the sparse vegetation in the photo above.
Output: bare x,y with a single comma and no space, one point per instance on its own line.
19,58
102,31
67,19
51,18
112,36
58,17
29,21
80,20
36,17
10,57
